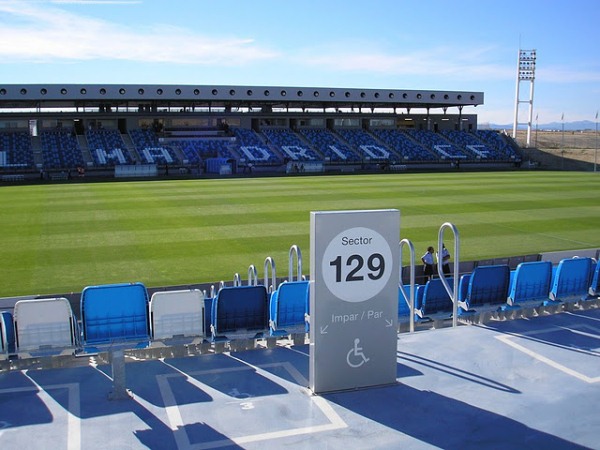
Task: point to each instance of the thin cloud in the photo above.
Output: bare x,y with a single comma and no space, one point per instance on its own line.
363,58
97,2
554,74
479,64
33,33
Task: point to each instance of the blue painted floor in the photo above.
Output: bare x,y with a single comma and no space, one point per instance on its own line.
519,384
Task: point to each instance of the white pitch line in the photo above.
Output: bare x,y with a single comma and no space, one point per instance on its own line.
177,423
335,420
581,316
73,411
508,340
297,351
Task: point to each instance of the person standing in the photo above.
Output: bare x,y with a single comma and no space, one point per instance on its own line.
445,260
427,259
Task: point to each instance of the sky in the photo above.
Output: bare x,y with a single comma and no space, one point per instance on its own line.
459,45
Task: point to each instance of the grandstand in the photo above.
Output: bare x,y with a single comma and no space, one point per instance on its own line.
62,128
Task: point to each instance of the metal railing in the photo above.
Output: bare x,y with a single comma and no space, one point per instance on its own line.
452,291
410,298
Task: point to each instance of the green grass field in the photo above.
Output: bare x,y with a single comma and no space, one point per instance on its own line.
61,238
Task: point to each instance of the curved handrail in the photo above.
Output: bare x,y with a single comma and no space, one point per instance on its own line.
270,263
213,291
411,297
294,249
237,280
252,276
452,292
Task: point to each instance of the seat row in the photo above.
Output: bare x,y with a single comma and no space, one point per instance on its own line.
497,288
123,315
61,149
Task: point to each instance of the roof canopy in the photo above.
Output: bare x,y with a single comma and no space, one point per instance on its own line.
90,95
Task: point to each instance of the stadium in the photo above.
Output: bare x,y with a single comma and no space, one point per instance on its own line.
155,224
235,129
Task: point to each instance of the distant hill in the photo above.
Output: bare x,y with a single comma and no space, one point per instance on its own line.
569,126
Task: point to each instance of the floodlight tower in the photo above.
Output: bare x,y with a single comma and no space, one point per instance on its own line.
525,72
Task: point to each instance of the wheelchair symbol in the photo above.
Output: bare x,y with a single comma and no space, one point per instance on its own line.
237,394
355,357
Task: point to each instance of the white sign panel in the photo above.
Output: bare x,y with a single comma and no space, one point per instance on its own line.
353,299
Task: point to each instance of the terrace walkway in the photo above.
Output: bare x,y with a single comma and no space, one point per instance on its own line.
527,383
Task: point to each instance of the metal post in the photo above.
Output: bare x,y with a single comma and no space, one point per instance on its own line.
596,151
411,294
119,391
295,250
562,141
516,117
270,265
530,116
452,292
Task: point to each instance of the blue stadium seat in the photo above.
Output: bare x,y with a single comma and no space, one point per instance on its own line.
572,280
16,146
366,145
177,314
288,308
208,306
406,147
249,145
150,149
595,286
115,313
500,143
60,149
438,144
463,290
240,312
107,147
436,299
329,145
290,145
45,327
7,334
530,283
404,303
472,145
189,150
486,285
202,148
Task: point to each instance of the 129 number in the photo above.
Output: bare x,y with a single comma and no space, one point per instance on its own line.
375,266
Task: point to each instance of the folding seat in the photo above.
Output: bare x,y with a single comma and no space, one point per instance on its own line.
486,285
177,314
404,303
289,308
572,280
436,299
115,313
595,285
463,288
7,334
240,312
530,283
45,326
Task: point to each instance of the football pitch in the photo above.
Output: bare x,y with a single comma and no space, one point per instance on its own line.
59,238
